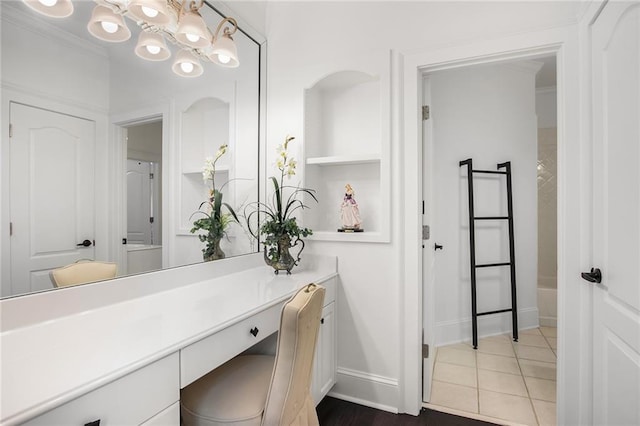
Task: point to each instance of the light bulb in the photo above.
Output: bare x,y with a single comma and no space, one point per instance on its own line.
151,13
192,37
154,50
187,67
224,59
48,3
109,27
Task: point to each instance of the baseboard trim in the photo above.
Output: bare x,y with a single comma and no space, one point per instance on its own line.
549,321
372,390
456,331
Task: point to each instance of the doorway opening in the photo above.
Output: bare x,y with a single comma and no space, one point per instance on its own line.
143,196
491,112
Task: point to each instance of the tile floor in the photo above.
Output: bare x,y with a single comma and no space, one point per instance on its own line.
502,381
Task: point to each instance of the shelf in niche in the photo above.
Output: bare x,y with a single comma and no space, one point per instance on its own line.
219,169
355,237
337,160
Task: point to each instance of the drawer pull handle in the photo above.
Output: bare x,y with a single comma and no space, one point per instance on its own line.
254,331
93,423
321,320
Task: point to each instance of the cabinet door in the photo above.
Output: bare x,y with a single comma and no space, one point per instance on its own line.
324,370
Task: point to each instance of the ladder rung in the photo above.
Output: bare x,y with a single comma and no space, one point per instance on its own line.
490,172
491,217
495,312
489,265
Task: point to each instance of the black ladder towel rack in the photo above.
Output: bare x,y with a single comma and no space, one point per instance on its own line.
472,251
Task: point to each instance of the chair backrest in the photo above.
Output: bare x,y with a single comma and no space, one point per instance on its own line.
289,399
82,272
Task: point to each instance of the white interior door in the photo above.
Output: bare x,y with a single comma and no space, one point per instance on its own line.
616,132
428,255
139,210
52,194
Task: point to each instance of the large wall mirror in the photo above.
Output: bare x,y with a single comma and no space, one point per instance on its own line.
104,152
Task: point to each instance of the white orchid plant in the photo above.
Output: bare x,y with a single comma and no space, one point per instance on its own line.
213,220
278,214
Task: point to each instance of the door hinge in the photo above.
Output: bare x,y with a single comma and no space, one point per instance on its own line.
10,228
10,130
425,112
426,232
425,350
150,175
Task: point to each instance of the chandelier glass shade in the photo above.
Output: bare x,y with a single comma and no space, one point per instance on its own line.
107,25
152,47
178,21
192,31
51,8
186,64
154,12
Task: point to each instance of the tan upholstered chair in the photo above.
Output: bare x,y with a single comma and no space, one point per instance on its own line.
82,272
258,389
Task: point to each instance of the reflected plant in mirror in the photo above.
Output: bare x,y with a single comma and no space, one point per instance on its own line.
214,222
279,226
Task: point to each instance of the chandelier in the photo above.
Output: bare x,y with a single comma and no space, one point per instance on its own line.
178,21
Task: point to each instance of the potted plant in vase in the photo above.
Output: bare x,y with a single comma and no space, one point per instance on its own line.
279,225
213,221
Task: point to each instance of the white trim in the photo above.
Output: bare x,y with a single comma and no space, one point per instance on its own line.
563,42
81,109
119,155
373,390
543,90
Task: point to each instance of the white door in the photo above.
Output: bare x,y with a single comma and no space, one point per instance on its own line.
139,211
52,194
428,255
616,136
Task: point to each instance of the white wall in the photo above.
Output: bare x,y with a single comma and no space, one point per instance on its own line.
486,113
309,40
546,108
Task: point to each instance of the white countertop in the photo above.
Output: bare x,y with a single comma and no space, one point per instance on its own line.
50,359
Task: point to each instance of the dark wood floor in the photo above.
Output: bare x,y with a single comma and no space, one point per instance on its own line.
333,411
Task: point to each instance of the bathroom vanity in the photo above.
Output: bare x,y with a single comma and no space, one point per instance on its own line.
120,351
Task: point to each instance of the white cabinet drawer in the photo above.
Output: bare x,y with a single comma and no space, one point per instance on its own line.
130,400
168,417
201,357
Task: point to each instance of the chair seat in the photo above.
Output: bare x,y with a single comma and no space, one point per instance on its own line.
233,394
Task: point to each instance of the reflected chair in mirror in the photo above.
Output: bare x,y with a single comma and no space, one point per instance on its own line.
83,272
260,389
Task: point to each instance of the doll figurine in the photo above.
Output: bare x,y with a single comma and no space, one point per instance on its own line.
349,212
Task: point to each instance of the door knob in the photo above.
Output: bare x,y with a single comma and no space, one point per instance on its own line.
438,247
595,276
85,243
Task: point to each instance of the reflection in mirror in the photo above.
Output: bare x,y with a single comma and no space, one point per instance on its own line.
107,147
144,197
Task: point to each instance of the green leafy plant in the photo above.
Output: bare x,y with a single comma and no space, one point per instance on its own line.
279,219
213,221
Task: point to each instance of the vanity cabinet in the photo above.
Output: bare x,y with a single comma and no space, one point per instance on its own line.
324,368
145,396
123,360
